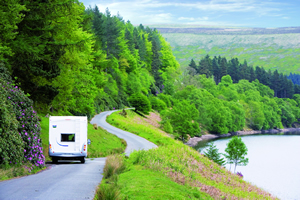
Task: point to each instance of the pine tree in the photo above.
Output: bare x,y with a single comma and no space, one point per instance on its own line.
112,32
233,70
223,67
213,154
216,70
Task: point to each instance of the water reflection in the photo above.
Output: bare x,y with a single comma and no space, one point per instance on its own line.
273,162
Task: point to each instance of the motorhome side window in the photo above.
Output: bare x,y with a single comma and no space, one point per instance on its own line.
68,137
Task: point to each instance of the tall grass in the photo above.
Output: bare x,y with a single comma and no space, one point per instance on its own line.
109,189
114,165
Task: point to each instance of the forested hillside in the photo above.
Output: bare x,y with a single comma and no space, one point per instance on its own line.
272,48
81,62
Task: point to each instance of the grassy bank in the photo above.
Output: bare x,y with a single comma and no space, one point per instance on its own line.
178,166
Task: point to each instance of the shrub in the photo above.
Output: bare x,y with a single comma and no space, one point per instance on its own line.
11,144
140,103
166,99
168,127
157,104
28,125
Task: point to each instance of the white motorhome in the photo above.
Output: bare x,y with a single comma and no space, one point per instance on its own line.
68,138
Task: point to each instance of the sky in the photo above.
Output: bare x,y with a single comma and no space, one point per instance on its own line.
239,13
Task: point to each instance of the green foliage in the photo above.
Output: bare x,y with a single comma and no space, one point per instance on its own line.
213,154
140,102
236,151
25,119
183,117
11,143
166,99
168,127
10,15
157,104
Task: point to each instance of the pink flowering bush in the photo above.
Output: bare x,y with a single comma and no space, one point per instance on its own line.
28,126
11,143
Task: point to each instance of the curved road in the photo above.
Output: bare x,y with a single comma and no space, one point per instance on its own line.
69,180
134,142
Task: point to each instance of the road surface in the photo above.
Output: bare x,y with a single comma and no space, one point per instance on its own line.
69,180
134,142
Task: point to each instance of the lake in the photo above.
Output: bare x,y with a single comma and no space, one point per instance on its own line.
274,162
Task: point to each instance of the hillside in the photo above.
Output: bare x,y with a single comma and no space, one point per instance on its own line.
171,171
276,48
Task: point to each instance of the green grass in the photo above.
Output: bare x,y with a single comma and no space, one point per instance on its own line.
146,184
102,142
178,166
9,172
45,136
141,128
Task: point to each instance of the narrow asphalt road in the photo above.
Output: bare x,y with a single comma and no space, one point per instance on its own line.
134,142
69,180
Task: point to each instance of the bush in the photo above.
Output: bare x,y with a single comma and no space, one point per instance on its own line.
11,143
140,103
28,126
157,104
166,99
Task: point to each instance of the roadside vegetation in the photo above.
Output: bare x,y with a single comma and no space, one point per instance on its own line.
103,143
176,165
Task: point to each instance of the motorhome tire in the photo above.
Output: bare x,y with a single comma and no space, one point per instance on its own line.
54,160
82,160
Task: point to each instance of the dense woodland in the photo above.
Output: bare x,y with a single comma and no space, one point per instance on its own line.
78,61
218,67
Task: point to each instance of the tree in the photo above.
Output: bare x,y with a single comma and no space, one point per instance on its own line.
140,103
183,119
236,151
213,154
10,15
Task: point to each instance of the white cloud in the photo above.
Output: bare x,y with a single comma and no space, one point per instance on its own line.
157,18
193,19
158,11
186,18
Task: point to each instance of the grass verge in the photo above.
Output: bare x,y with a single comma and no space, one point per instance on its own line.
180,164
9,172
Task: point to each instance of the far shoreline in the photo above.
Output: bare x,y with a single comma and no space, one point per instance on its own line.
194,140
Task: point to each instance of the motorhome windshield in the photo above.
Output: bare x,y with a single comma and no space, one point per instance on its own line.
68,137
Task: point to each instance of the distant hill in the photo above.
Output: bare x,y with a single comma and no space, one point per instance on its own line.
272,48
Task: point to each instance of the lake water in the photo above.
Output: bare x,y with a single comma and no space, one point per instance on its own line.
274,163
